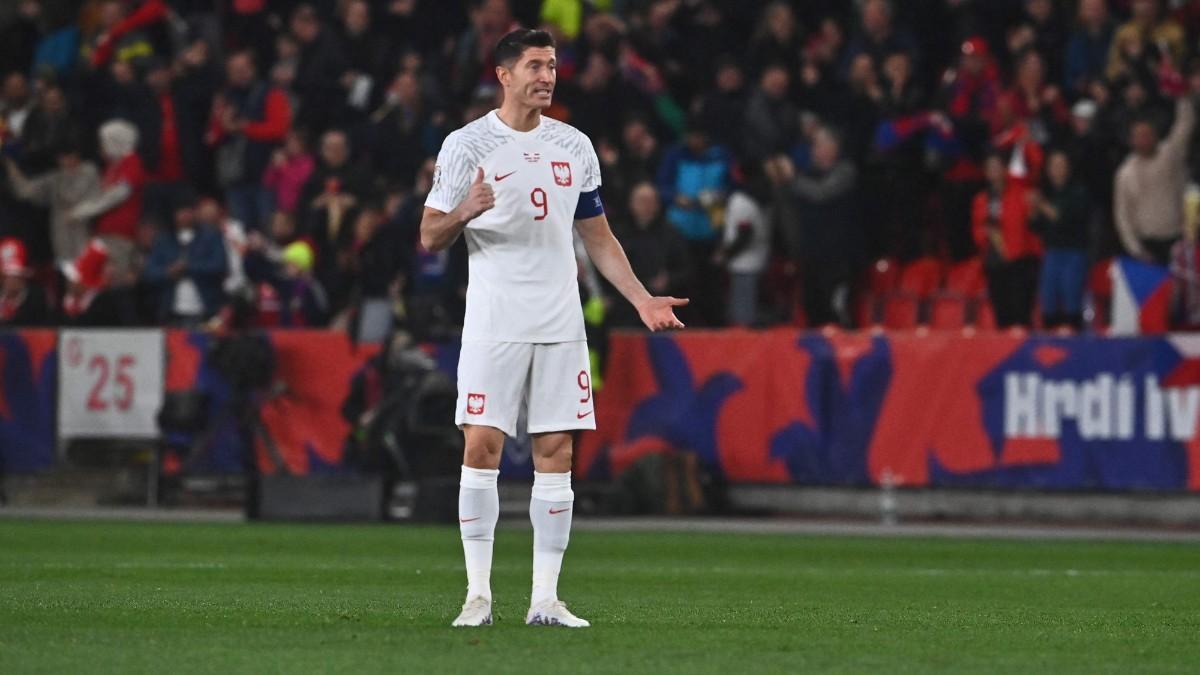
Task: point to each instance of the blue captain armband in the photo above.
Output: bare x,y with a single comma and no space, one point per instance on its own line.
589,205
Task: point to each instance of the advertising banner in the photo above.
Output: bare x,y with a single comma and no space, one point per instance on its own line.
110,383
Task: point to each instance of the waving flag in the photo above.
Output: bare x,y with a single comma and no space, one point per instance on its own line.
1141,297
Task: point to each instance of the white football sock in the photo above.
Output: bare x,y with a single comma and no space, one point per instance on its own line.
550,511
478,510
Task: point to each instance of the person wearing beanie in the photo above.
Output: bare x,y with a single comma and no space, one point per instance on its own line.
22,303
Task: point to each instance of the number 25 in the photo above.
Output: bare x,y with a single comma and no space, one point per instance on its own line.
539,203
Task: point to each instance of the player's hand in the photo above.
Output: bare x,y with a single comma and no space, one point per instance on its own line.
480,198
657,313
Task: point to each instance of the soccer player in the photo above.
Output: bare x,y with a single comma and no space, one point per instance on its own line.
513,181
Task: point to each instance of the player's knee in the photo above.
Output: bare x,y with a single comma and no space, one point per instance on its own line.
555,449
482,453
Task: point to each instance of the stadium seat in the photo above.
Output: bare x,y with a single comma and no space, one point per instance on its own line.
921,277
883,277
948,311
901,311
985,315
966,278
1099,294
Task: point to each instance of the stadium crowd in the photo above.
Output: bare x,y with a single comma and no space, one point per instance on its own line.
817,162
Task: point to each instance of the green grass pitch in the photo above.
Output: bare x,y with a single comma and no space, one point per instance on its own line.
81,597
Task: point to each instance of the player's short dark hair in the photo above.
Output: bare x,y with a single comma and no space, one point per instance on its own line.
510,47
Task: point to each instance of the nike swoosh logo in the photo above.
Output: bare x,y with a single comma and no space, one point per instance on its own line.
500,178
467,520
580,416
555,513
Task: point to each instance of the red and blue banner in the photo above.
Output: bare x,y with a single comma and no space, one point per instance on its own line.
780,406
994,411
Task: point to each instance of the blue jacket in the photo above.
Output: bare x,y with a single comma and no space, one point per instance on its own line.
684,173
206,267
1087,56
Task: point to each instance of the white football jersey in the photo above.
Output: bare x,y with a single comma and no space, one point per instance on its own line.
522,285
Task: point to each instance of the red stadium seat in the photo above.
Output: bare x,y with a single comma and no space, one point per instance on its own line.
883,277
1099,287
921,277
966,278
985,316
866,310
901,311
948,312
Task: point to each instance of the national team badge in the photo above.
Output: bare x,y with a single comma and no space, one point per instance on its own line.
475,403
562,173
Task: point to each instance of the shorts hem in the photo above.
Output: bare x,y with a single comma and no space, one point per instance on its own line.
563,426
511,432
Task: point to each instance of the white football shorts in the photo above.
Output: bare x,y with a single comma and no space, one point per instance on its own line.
553,382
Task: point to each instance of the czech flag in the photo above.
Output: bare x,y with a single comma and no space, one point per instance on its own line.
1141,297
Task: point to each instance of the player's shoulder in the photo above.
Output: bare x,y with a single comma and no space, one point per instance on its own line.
473,138
564,135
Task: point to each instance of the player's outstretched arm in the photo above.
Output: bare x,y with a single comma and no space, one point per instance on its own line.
609,258
439,230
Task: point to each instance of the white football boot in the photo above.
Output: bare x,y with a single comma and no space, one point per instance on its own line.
553,613
476,612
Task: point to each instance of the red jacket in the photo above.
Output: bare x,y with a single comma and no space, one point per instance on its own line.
1019,240
122,219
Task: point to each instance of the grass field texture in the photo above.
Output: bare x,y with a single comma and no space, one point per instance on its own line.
154,597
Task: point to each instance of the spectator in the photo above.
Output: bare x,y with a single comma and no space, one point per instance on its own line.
722,109
236,239
328,202
369,56
878,36
16,104
1087,50
302,300
1138,42
117,207
373,263
49,127
828,219
637,159
1049,31
776,41
657,252
771,119
1094,159
188,266
434,282
291,167
694,180
1185,268
1061,217
402,131
88,300
1000,221
1148,193
471,64
20,37
745,247
319,71
61,190
1037,101
162,140
22,303
249,119
971,95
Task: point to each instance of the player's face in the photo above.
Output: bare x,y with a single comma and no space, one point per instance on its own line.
531,79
